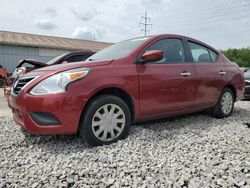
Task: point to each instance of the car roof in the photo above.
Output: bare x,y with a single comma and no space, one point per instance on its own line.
185,37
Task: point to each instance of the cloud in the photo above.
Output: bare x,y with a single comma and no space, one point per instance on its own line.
45,24
88,33
213,21
83,33
84,15
50,12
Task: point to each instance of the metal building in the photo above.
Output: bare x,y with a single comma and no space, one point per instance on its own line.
15,47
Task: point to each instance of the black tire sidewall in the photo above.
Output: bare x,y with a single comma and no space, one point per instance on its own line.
85,128
217,111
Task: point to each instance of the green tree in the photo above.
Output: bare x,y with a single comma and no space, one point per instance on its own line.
240,56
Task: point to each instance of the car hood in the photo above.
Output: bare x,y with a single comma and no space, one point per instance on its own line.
64,67
35,63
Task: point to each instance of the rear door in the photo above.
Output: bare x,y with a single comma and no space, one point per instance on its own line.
209,72
166,85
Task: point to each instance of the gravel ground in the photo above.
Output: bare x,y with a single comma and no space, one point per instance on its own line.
187,151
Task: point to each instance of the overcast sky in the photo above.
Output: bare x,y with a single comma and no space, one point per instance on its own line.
221,23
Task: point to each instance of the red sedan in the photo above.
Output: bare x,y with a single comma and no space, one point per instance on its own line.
134,80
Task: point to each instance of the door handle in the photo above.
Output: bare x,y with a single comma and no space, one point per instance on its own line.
185,74
222,73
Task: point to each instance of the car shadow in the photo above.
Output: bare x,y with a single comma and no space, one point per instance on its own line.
246,100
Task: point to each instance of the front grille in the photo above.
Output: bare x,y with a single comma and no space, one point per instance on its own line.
20,83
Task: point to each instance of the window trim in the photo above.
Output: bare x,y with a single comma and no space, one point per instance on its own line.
217,55
208,48
186,58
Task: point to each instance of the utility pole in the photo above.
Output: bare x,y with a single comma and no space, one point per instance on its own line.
145,23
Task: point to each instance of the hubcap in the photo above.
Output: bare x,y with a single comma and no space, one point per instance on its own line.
227,102
108,122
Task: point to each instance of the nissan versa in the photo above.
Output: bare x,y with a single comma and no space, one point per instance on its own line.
134,80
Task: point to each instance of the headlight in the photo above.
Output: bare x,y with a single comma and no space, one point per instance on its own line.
58,82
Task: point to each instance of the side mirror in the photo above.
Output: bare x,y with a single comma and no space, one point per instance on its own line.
151,55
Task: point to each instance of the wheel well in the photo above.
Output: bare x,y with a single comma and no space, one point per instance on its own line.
233,90
117,92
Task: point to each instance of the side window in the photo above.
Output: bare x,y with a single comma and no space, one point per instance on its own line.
213,55
75,58
172,48
86,56
199,52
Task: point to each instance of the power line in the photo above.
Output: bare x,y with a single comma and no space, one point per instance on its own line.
145,24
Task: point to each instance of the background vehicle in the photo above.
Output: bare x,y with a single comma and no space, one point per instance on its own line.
3,76
28,65
247,83
134,80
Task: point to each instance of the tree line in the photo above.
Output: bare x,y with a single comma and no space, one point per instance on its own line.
240,56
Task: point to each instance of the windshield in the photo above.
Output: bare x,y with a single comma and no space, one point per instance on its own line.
118,50
53,60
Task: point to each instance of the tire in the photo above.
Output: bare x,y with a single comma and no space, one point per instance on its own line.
99,126
220,110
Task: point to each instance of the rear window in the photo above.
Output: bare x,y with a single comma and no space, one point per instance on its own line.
55,59
199,53
76,58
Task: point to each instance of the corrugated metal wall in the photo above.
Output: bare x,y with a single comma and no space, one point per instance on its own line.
11,55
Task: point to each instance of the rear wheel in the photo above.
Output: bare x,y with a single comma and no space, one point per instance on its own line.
225,104
106,119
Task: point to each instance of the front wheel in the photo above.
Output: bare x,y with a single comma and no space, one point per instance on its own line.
106,119
225,104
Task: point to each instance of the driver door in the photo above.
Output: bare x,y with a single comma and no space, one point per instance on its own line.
166,85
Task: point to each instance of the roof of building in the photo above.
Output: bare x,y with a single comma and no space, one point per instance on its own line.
31,40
